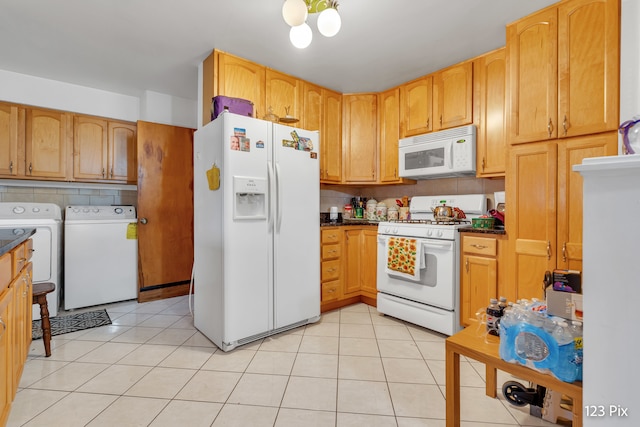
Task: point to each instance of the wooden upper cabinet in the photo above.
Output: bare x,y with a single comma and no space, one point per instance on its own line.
491,84
360,137
10,127
239,78
281,94
123,152
453,96
416,106
389,127
331,137
47,143
312,102
588,66
90,148
533,63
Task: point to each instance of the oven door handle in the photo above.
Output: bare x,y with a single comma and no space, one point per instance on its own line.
439,245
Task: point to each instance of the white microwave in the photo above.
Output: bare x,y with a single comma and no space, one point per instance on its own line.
446,153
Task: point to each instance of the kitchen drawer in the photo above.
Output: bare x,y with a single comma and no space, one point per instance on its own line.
479,245
330,270
28,249
331,236
331,290
19,259
331,252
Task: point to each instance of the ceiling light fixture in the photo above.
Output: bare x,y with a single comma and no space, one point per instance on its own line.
295,13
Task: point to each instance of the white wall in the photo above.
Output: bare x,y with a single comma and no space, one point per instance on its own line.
150,106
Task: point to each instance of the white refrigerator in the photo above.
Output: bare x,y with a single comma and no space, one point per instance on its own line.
256,229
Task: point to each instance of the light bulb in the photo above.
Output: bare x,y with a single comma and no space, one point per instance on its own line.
329,22
294,12
301,36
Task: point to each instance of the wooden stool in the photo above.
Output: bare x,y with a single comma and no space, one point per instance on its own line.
40,291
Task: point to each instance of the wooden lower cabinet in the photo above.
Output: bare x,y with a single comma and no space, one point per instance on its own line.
482,275
15,321
348,266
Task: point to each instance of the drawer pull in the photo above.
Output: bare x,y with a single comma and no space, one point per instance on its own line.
331,270
22,259
330,291
479,246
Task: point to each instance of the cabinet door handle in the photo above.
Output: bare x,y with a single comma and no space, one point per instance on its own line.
428,121
103,172
440,120
564,125
479,246
4,327
482,164
11,166
30,169
395,173
548,249
550,127
111,172
466,264
564,251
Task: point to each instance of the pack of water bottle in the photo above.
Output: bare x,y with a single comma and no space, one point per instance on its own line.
551,344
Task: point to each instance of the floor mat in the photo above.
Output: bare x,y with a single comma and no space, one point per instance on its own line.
73,323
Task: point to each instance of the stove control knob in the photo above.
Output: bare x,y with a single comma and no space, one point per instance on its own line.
429,232
18,210
395,230
439,233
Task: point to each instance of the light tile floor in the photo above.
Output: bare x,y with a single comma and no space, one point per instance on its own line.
151,367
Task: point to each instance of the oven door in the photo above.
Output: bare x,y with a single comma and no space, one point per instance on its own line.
437,284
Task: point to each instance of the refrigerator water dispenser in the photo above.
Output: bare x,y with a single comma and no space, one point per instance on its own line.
249,198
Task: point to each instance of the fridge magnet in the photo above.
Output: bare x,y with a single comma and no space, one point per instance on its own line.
294,135
239,132
260,144
313,155
245,144
213,177
304,144
290,144
235,142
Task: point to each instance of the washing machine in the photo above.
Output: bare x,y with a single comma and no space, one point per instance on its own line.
100,255
46,258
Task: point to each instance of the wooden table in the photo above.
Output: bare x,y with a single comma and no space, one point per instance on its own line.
486,350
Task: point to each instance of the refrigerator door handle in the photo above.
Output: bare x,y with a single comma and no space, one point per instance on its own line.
269,184
279,198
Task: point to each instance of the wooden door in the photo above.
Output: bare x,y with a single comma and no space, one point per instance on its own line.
48,142
282,94
453,96
369,272
389,125
571,152
331,137
479,284
416,106
165,210
9,131
6,352
491,78
352,262
533,77
21,329
531,218
122,152
588,66
244,79
90,148
312,108
360,138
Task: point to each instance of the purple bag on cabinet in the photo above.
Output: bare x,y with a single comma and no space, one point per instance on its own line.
233,105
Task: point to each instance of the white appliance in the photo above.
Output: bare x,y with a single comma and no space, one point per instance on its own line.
46,258
100,255
610,278
446,153
432,297
256,237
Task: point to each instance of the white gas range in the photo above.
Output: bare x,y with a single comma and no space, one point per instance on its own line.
418,270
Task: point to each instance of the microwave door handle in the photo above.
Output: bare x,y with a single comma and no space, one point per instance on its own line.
450,156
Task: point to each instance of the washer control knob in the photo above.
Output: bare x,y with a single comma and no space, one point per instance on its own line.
118,210
96,210
18,210
85,210
35,210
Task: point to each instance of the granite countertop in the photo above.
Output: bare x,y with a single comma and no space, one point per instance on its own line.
12,237
345,223
481,230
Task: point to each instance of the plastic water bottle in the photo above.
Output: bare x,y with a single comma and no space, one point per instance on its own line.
493,317
576,333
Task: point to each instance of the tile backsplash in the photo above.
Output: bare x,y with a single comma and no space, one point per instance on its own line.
68,196
339,195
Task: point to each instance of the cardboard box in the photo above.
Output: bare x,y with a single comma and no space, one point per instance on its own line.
567,280
564,304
